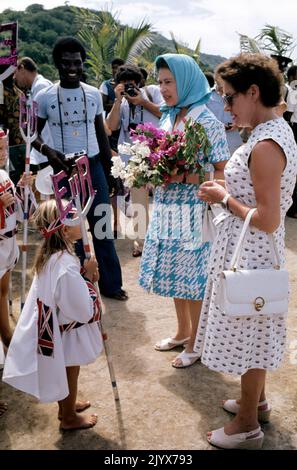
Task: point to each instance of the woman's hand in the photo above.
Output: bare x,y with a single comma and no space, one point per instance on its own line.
211,192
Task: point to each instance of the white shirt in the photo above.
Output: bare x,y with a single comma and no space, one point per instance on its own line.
36,157
103,88
78,107
292,104
141,115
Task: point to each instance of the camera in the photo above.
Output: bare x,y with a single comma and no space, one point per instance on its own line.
132,126
70,156
130,89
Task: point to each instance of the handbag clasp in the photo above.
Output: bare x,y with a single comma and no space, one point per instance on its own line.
259,303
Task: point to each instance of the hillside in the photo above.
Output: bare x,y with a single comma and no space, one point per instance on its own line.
39,28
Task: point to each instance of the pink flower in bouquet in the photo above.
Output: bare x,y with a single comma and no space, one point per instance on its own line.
148,134
159,157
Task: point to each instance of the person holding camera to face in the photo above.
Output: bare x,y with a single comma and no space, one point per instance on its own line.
133,106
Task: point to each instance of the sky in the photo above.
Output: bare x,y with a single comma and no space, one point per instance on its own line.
216,22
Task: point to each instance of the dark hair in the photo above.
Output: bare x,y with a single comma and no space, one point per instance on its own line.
117,61
67,44
210,78
143,73
161,64
28,64
292,71
128,72
248,69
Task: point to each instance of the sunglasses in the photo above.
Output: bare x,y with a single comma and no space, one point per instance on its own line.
228,99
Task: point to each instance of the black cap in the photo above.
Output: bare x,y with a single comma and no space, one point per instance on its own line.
282,61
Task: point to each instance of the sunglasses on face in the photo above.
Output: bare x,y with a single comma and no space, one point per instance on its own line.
228,99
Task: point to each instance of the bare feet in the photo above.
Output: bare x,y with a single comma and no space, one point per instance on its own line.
78,422
3,407
79,407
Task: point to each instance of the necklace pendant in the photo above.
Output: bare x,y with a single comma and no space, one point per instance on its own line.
75,133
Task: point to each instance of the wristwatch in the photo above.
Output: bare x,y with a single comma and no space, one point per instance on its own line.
224,201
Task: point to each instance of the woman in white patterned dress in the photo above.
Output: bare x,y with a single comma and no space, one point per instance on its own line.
261,175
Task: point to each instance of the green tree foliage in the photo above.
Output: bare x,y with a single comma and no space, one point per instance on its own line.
39,29
276,41
106,38
271,39
181,48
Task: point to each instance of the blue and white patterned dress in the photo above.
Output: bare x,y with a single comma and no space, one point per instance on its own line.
174,259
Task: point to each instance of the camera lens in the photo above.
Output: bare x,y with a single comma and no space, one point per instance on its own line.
130,89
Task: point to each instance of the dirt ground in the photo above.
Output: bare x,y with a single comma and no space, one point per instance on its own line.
160,407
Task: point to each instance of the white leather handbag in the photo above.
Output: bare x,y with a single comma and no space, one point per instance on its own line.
250,292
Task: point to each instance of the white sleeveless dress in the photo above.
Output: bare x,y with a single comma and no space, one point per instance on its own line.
235,345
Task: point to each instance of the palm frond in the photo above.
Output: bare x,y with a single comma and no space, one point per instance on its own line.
175,43
248,44
197,49
132,42
197,53
276,40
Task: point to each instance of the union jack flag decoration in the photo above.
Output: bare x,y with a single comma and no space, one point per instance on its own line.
45,330
4,213
96,310
96,302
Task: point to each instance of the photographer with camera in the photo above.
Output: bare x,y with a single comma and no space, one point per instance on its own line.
133,106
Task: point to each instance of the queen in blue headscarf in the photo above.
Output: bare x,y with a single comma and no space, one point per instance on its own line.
174,259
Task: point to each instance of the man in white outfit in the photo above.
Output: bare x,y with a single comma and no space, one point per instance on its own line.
27,78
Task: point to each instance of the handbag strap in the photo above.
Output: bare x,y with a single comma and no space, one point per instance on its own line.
237,251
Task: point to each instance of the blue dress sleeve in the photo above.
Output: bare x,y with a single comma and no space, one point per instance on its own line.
216,134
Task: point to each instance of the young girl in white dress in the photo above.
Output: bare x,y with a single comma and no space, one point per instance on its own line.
11,212
58,329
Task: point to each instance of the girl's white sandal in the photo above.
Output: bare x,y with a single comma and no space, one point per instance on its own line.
244,440
263,415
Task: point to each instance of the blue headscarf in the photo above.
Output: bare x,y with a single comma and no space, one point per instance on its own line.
191,84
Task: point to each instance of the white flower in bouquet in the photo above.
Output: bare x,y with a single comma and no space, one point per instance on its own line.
118,168
125,149
141,149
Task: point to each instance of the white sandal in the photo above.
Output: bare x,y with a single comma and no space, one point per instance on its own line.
243,440
263,415
187,359
169,343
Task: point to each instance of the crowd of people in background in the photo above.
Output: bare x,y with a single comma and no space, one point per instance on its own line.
250,119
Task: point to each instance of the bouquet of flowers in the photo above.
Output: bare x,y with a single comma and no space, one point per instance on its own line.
156,156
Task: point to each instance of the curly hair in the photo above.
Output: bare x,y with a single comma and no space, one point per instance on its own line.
248,69
128,72
67,44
